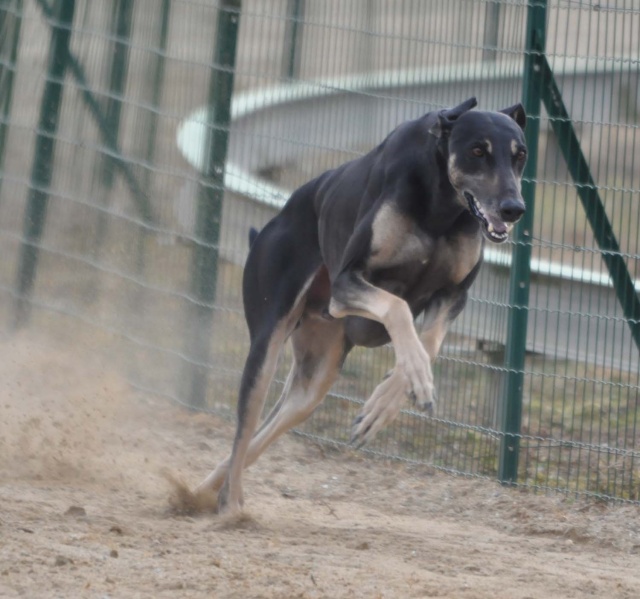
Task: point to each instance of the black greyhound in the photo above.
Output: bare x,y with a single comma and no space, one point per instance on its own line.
356,255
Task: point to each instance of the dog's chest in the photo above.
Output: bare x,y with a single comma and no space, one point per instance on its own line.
406,258
453,258
396,240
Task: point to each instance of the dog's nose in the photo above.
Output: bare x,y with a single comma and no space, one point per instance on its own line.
511,210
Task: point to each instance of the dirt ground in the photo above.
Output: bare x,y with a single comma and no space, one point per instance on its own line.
84,509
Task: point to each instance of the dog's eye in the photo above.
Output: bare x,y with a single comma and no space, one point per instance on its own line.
478,151
521,155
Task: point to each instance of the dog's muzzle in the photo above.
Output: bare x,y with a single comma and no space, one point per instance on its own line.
496,228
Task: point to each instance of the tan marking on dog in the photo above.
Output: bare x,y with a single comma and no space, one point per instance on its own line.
514,146
466,252
255,402
433,337
374,303
412,360
489,146
299,398
519,181
382,407
393,239
455,175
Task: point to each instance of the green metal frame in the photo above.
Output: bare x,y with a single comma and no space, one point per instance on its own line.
75,68
61,61
121,27
204,268
491,31
10,31
521,269
158,82
43,160
540,87
591,200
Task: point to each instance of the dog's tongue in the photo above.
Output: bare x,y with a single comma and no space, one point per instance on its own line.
496,225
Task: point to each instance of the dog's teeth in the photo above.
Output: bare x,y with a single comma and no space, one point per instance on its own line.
490,228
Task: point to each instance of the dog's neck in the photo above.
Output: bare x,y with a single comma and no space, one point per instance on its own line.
438,215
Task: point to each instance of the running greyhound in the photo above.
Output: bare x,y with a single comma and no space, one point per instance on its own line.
356,255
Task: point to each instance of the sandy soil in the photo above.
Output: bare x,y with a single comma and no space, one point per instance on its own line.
84,509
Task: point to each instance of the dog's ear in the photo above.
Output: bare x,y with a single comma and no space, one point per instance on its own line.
446,117
453,113
517,113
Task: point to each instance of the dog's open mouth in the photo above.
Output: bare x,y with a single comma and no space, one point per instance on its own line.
494,229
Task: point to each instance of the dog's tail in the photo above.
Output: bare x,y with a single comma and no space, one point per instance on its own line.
253,233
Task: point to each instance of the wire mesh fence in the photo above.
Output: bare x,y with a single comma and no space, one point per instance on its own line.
127,170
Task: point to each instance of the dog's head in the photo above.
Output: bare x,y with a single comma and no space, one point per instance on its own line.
486,154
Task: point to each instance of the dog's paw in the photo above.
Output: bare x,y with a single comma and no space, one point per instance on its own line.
419,386
230,500
229,509
380,409
425,404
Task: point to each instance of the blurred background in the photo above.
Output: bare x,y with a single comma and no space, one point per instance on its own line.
141,139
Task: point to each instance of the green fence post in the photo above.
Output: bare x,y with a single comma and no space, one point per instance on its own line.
10,25
121,29
76,70
43,159
293,39
491,31
158,82
156,69
204,269
121,25
521,267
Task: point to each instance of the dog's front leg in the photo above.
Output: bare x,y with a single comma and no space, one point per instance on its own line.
380,409
352,295
387,400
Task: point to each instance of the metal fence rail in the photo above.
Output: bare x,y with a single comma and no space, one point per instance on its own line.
130,175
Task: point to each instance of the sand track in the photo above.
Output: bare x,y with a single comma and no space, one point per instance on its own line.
84,509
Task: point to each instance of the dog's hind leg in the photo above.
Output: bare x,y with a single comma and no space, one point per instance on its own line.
257,375
319,350
283,270
213,482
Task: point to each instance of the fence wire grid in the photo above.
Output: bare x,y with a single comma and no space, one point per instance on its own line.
130,176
